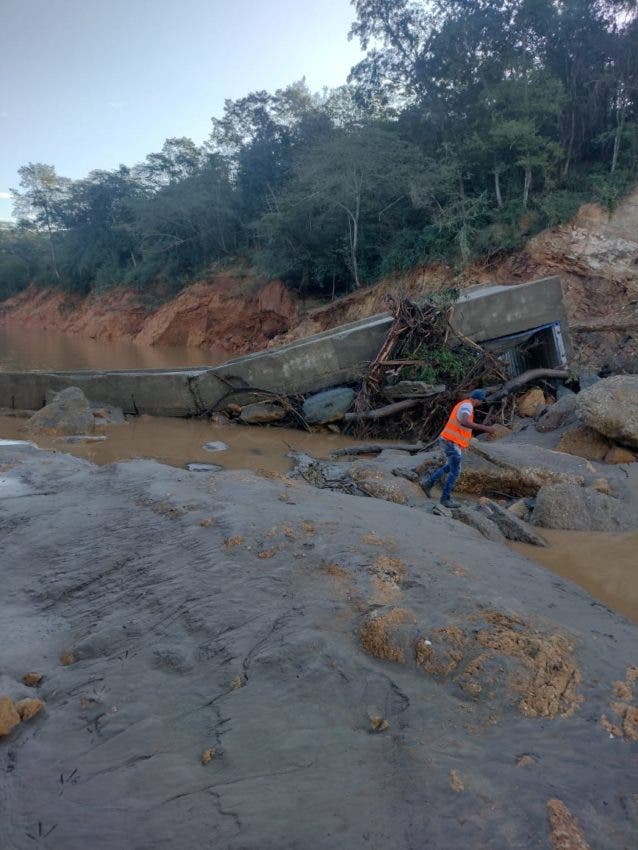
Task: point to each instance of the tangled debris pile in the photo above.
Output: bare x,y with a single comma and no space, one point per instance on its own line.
422,368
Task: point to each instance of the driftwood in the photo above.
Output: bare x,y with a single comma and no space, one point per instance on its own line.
526,378
382,412
376,448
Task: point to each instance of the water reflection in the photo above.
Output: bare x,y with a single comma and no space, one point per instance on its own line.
24,350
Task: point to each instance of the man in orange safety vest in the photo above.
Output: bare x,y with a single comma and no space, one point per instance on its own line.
454,439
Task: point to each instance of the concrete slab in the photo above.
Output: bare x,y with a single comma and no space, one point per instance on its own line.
307,365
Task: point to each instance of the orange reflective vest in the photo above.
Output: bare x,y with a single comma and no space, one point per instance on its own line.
454,432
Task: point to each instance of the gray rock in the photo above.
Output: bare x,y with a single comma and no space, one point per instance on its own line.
329,406
611,407
215,446
239,636
261,413
203,467
512,527
479,522
563,412
580,509
69,412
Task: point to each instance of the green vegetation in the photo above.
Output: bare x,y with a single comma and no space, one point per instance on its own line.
469,125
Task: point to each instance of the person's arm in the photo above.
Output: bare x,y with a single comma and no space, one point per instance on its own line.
465,420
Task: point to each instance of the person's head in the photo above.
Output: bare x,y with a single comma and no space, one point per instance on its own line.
477,397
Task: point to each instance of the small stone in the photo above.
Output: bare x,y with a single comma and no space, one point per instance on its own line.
261,412
29,707
601,485
520,509
215,446
9,717
378,723
32,679
456,783
208,755
67,658
204,467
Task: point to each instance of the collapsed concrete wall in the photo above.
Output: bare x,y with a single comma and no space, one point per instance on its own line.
306,365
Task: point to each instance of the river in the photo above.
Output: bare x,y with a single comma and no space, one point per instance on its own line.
23,350
604,564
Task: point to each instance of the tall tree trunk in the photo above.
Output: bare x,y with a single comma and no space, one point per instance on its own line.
527,185
353,236
570,146
497,188
54,259
620,127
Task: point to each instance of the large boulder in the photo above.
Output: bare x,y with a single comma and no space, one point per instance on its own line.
69,412
531,403
611,408
580,509
584,442
563,412
328,406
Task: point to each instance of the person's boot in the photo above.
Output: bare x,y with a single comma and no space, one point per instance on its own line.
450,503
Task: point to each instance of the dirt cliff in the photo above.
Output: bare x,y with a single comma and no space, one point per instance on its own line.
231,312
596,256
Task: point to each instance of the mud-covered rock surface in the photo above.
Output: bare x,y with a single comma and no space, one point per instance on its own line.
253,663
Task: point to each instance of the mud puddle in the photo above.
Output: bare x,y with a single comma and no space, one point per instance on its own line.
177,442
604,564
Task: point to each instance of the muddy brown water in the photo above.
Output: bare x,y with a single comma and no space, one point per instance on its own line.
25,350
606,565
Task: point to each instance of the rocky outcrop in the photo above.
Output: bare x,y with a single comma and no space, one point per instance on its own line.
580,509
611,408
347,653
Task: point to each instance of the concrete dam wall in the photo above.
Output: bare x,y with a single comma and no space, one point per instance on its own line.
487,314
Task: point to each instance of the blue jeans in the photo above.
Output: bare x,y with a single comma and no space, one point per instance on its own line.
452,468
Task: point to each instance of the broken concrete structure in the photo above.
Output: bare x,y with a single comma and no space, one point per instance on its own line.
506,318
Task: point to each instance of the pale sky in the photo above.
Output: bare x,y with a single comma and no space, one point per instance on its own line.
90,84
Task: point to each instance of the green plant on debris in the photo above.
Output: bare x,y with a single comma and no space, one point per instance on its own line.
440,365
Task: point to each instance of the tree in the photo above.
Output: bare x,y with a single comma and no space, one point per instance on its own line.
40,201
354,180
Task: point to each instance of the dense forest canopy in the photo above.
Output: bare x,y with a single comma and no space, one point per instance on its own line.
468,125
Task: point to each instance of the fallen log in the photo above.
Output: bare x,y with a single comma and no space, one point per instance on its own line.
375,448
523,379
382,412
